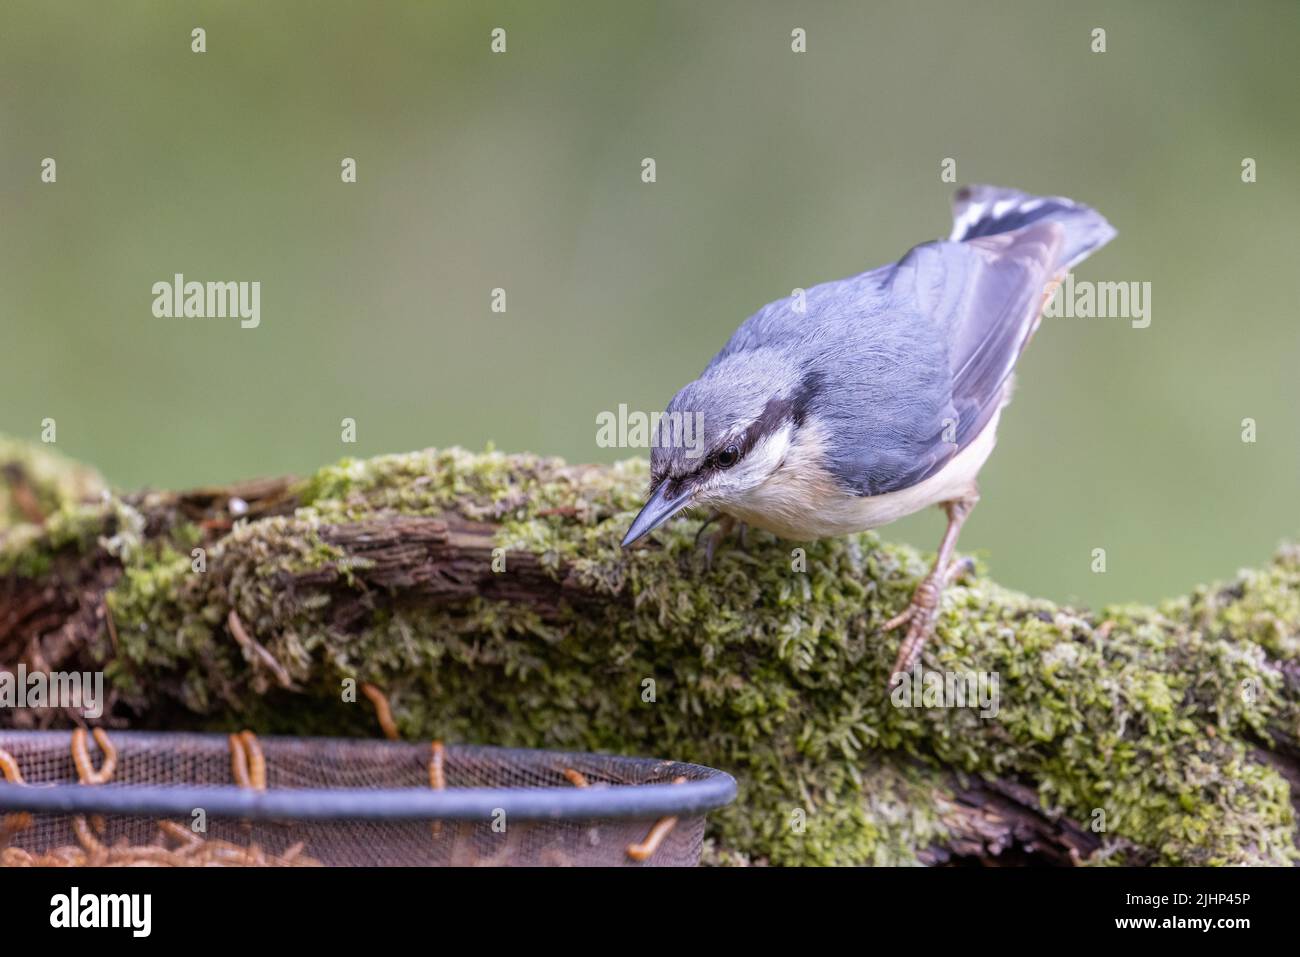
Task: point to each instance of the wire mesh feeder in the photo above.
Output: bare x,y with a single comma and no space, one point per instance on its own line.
326,801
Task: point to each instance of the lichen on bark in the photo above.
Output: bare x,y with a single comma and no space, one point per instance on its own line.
1164,731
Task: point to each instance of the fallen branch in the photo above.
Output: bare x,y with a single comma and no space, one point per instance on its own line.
488,597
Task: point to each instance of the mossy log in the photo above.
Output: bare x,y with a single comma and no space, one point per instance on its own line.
487,595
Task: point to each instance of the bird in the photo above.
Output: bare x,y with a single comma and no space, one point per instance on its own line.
856,402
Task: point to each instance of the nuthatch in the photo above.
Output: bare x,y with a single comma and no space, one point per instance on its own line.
870,398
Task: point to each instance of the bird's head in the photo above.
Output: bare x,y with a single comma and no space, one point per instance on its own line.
722,436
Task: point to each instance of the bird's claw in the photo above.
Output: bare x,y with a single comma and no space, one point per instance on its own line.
921,613
959,569
726,525
920,616
900,619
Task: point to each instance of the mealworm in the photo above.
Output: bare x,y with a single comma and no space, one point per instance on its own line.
643,851
188,840
81,757
662,827
219,854
227,855
437,781
68,856
256,760
15,857
9,766
382,710
137,856
239,762
576,778
437,777
224,845
86,837
106,770
86,772
11,824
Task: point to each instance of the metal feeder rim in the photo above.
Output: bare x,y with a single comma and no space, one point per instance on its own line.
713,790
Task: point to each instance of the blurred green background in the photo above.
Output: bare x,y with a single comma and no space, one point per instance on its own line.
775,170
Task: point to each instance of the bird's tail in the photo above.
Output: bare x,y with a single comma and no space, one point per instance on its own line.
987,210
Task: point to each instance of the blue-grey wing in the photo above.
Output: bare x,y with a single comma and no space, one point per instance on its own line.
908,364
985,296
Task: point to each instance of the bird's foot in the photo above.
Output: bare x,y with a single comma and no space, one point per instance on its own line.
726,525
958,570
920,616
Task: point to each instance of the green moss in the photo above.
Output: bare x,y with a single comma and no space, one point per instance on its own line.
69,498
1262,605
38,475
775,674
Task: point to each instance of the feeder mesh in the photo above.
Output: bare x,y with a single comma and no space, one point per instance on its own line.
189,760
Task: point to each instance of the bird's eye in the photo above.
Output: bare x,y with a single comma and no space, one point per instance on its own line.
728,457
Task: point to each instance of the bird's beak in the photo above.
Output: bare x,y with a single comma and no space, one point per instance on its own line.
655,512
